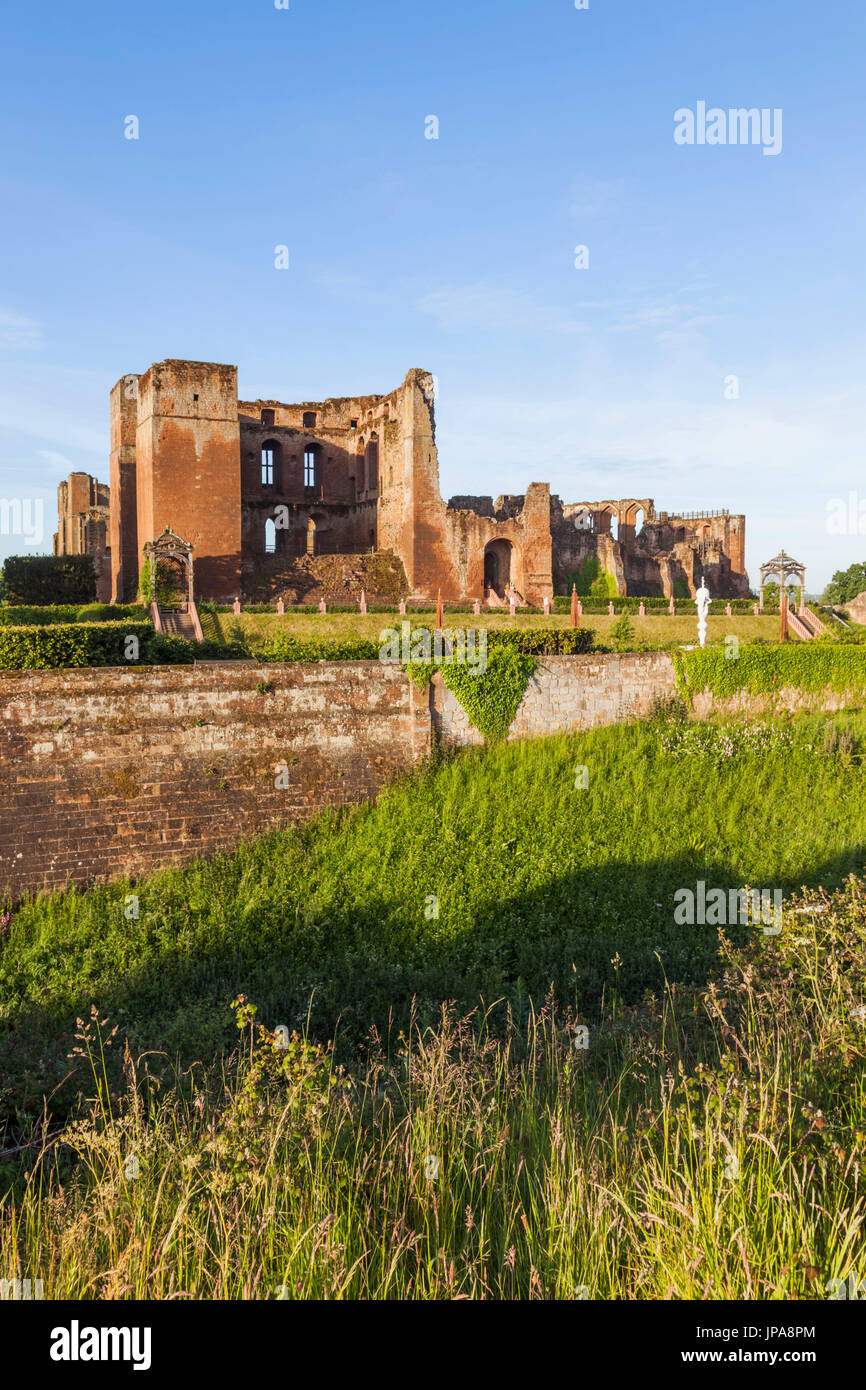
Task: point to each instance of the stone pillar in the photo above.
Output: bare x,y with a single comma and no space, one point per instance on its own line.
610,610
728,613
476,606
236,606
362,602
323,607
512,609
579,609
756,610
761,599
281,607
402,608
641,610
546,605
672,607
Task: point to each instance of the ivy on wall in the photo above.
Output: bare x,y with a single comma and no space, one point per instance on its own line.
760,670
490,698
590,580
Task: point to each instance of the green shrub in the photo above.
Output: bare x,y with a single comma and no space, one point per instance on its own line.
544,641
29,615
283,647
623,628
72,644
111,612
40,579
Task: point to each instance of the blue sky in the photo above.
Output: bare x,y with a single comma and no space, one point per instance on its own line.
306,127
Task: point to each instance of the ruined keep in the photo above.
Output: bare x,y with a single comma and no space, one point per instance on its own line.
82,516
261,488
83,520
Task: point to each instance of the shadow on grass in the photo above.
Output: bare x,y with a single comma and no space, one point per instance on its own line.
350,968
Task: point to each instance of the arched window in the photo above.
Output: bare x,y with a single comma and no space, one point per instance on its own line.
270,536
638,521
312,470
271,453
309,419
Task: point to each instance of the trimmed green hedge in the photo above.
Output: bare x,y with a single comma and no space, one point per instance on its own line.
29,615
49,579
760,669
544,641
283,647
32,615
684,607
73,644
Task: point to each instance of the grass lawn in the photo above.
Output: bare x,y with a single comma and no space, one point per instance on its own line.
657,630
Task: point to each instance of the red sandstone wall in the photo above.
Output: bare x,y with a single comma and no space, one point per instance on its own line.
188,467
123,526
109,772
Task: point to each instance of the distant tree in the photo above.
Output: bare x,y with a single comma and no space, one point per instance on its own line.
846,584
771,593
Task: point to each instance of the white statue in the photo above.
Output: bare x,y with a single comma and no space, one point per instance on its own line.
702,599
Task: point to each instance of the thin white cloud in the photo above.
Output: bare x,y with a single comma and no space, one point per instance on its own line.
495,308
56,460
17,332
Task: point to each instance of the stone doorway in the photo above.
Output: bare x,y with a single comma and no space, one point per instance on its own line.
498,566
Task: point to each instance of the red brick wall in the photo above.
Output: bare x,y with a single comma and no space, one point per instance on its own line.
188,467
109,772
123,530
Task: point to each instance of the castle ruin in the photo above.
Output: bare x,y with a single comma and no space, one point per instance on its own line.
260,488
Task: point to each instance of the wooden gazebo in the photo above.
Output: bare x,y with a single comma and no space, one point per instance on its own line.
783,568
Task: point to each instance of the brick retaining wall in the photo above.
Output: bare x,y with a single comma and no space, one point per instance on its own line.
111,772
569,692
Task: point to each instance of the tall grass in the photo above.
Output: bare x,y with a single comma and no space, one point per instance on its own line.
707,1144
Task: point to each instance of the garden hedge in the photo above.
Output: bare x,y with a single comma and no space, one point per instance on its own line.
73,644
49,579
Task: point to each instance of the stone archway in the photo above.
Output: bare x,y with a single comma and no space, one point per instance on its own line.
175,556
499,559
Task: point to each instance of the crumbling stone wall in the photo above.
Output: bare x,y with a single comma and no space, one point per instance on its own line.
82,516
242,480
651,551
